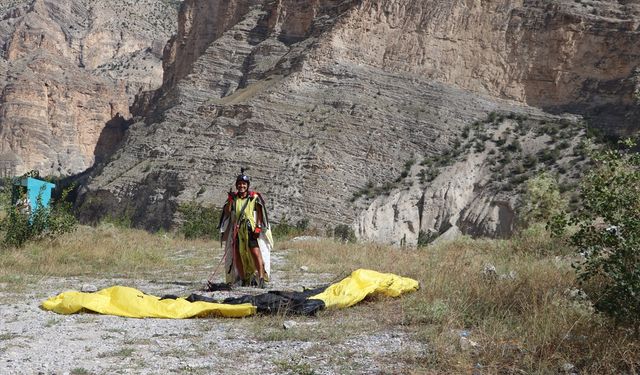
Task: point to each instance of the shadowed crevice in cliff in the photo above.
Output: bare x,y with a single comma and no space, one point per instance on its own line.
614,120
257,35
152,205
505,220
110,138
199,24
609,105
310,22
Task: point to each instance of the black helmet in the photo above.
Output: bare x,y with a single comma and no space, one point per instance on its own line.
243,177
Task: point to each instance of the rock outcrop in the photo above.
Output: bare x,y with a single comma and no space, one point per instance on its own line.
557,55
68,74
321,98
475,188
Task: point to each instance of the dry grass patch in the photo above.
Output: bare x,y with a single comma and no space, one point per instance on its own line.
488,306
8,336
328,256
120,353
107,251
295,365
519,318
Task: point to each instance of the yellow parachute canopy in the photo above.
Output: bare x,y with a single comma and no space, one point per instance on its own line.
362,283
132,303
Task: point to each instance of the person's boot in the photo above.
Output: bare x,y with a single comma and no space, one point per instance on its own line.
261,283
253,281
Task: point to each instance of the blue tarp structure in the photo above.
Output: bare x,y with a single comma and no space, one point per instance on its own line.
37,191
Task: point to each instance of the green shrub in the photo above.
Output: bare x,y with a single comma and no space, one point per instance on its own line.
122,220
608,235
199,221
542,200
20,226
530,161
426,237
478,146
344,233
492,116
514,146
61,218
408,164
16,227
465,132
302,224
285,230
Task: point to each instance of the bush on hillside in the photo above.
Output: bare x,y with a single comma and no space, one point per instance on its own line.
199,221
608,235
426,237
541,200
284,230
20,225
344,233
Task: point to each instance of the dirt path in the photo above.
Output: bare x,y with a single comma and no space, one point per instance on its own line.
34,341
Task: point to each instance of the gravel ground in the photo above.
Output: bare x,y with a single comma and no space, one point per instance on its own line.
34,341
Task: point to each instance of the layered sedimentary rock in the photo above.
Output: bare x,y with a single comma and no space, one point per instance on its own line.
68,74
476,187
321,98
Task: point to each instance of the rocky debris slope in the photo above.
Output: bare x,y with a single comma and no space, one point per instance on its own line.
323,98
69,72
476,187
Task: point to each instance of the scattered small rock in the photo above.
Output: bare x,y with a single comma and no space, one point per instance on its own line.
304,268
508,276
568,368
88,288
467,344
489,271
305,238
288,324
575,294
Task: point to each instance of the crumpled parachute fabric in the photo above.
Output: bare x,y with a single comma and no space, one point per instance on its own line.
362,283
132,303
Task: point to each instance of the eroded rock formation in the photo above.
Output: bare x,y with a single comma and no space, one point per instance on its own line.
68,73
321,98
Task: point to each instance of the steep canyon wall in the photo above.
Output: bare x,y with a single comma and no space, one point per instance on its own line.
549,54
322,98
70,71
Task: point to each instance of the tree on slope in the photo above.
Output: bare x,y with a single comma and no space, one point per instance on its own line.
608,234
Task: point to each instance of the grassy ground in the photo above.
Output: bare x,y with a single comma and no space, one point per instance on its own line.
103,251
522,318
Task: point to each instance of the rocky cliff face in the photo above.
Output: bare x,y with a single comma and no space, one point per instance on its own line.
322,98
68,73
475,187
556,55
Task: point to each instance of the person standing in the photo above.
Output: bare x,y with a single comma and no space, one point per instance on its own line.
246,232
